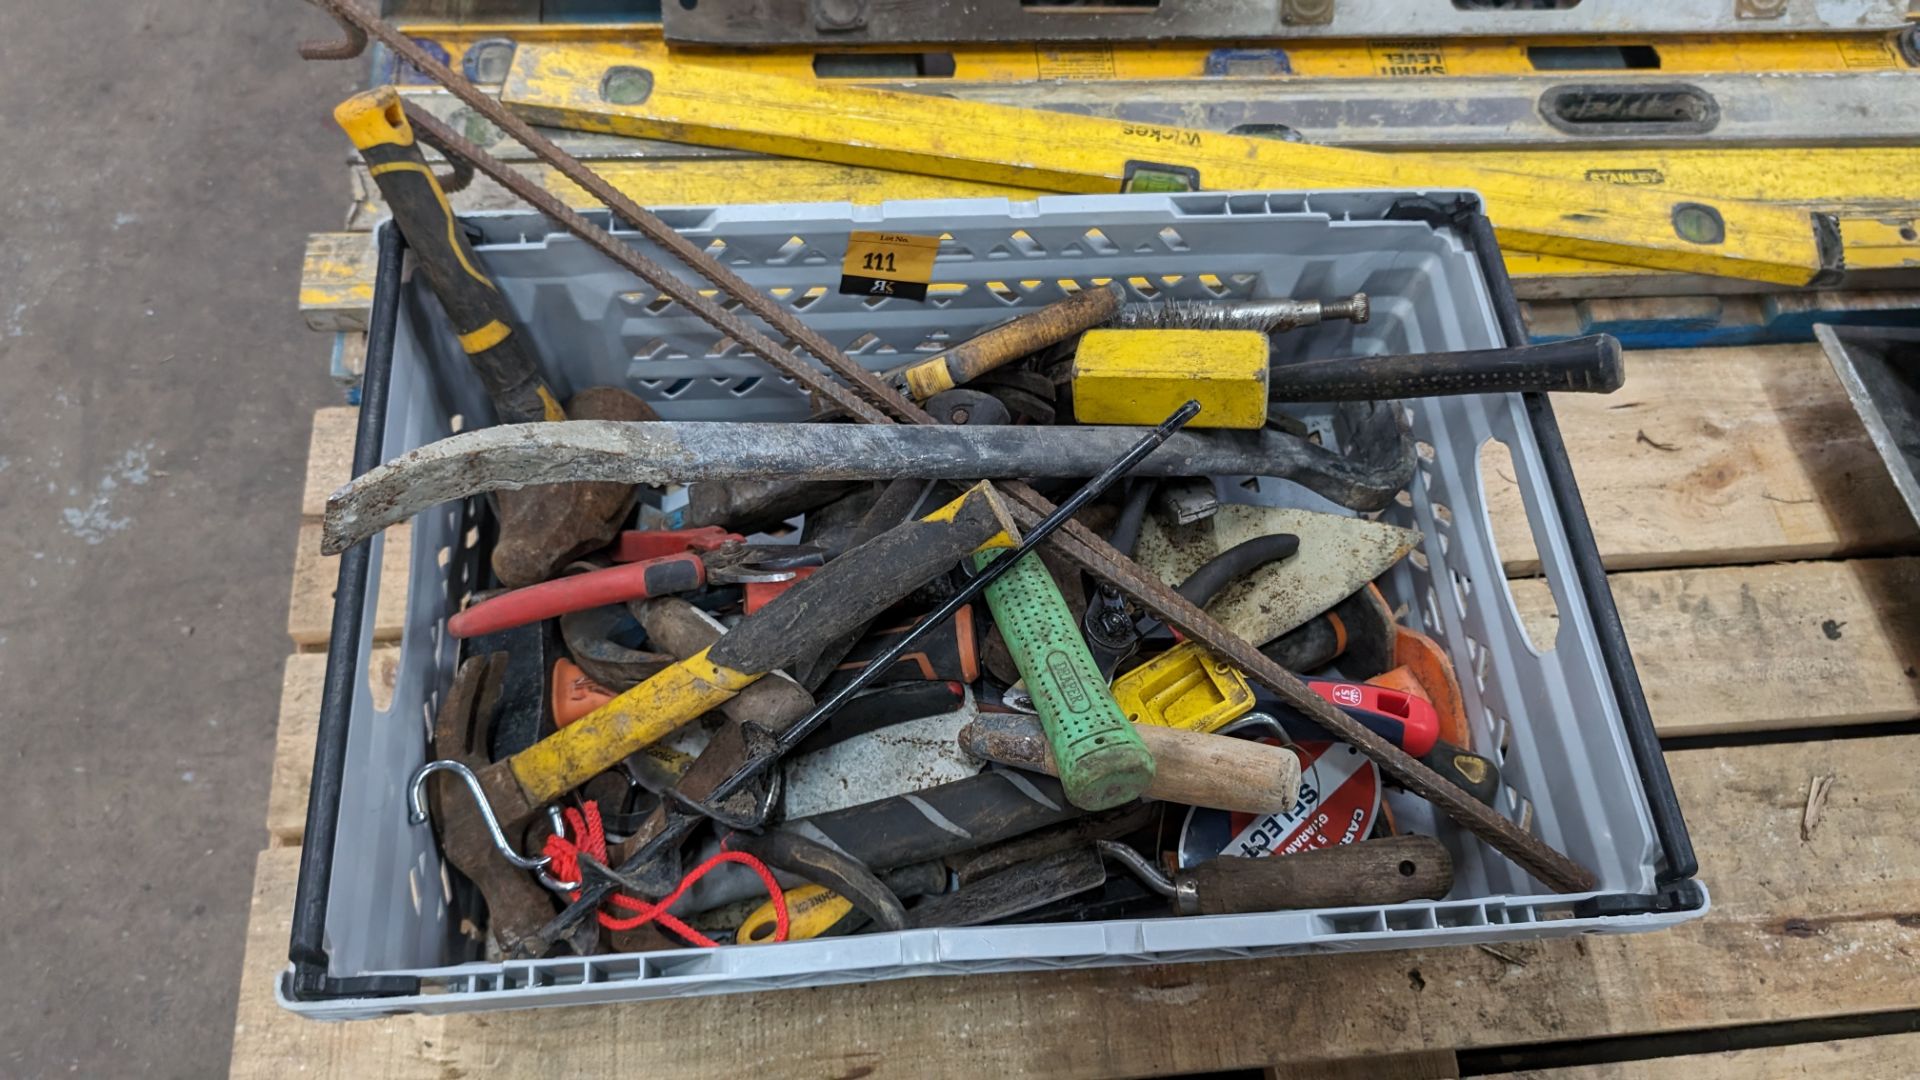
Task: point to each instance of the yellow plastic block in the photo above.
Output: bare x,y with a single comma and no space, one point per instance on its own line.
1139,376
1185,687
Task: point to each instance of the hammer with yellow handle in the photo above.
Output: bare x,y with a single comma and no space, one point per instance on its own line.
848,592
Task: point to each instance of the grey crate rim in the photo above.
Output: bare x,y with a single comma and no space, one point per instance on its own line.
1592,802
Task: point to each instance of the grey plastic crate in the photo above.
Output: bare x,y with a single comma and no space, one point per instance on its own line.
392,909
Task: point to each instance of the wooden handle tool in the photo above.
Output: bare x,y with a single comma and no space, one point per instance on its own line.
1190,767
1388,871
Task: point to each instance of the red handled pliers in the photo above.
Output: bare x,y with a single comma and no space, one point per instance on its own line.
707,557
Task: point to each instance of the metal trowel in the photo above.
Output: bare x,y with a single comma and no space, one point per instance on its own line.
1338,554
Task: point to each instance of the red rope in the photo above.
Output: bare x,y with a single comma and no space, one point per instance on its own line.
565,855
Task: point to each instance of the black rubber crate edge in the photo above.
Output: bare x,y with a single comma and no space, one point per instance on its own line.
307,948
1663,803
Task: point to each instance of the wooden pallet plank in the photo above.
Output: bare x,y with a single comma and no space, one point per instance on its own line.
1883,1057
1809,928
1751,648
329,457
300,692
270,1043
1715,456
310,611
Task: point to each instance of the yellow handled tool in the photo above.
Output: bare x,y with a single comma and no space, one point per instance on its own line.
668,99
543,527
815,910
812,910
847,592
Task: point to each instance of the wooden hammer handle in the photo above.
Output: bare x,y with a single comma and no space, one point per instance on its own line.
1387,871
1190,767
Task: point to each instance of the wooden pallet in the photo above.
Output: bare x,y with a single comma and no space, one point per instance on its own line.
1766,577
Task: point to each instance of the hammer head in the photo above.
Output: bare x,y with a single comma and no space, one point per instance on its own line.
544,528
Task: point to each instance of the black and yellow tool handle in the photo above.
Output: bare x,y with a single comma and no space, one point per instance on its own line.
1386,871
378,126
812,911
846,593
1010,341
1582,365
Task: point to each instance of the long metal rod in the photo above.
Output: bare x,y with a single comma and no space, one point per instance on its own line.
680,824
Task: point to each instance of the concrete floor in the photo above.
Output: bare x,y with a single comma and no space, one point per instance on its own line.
163,162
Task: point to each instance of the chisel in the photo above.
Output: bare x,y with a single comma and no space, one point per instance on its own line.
1387,871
